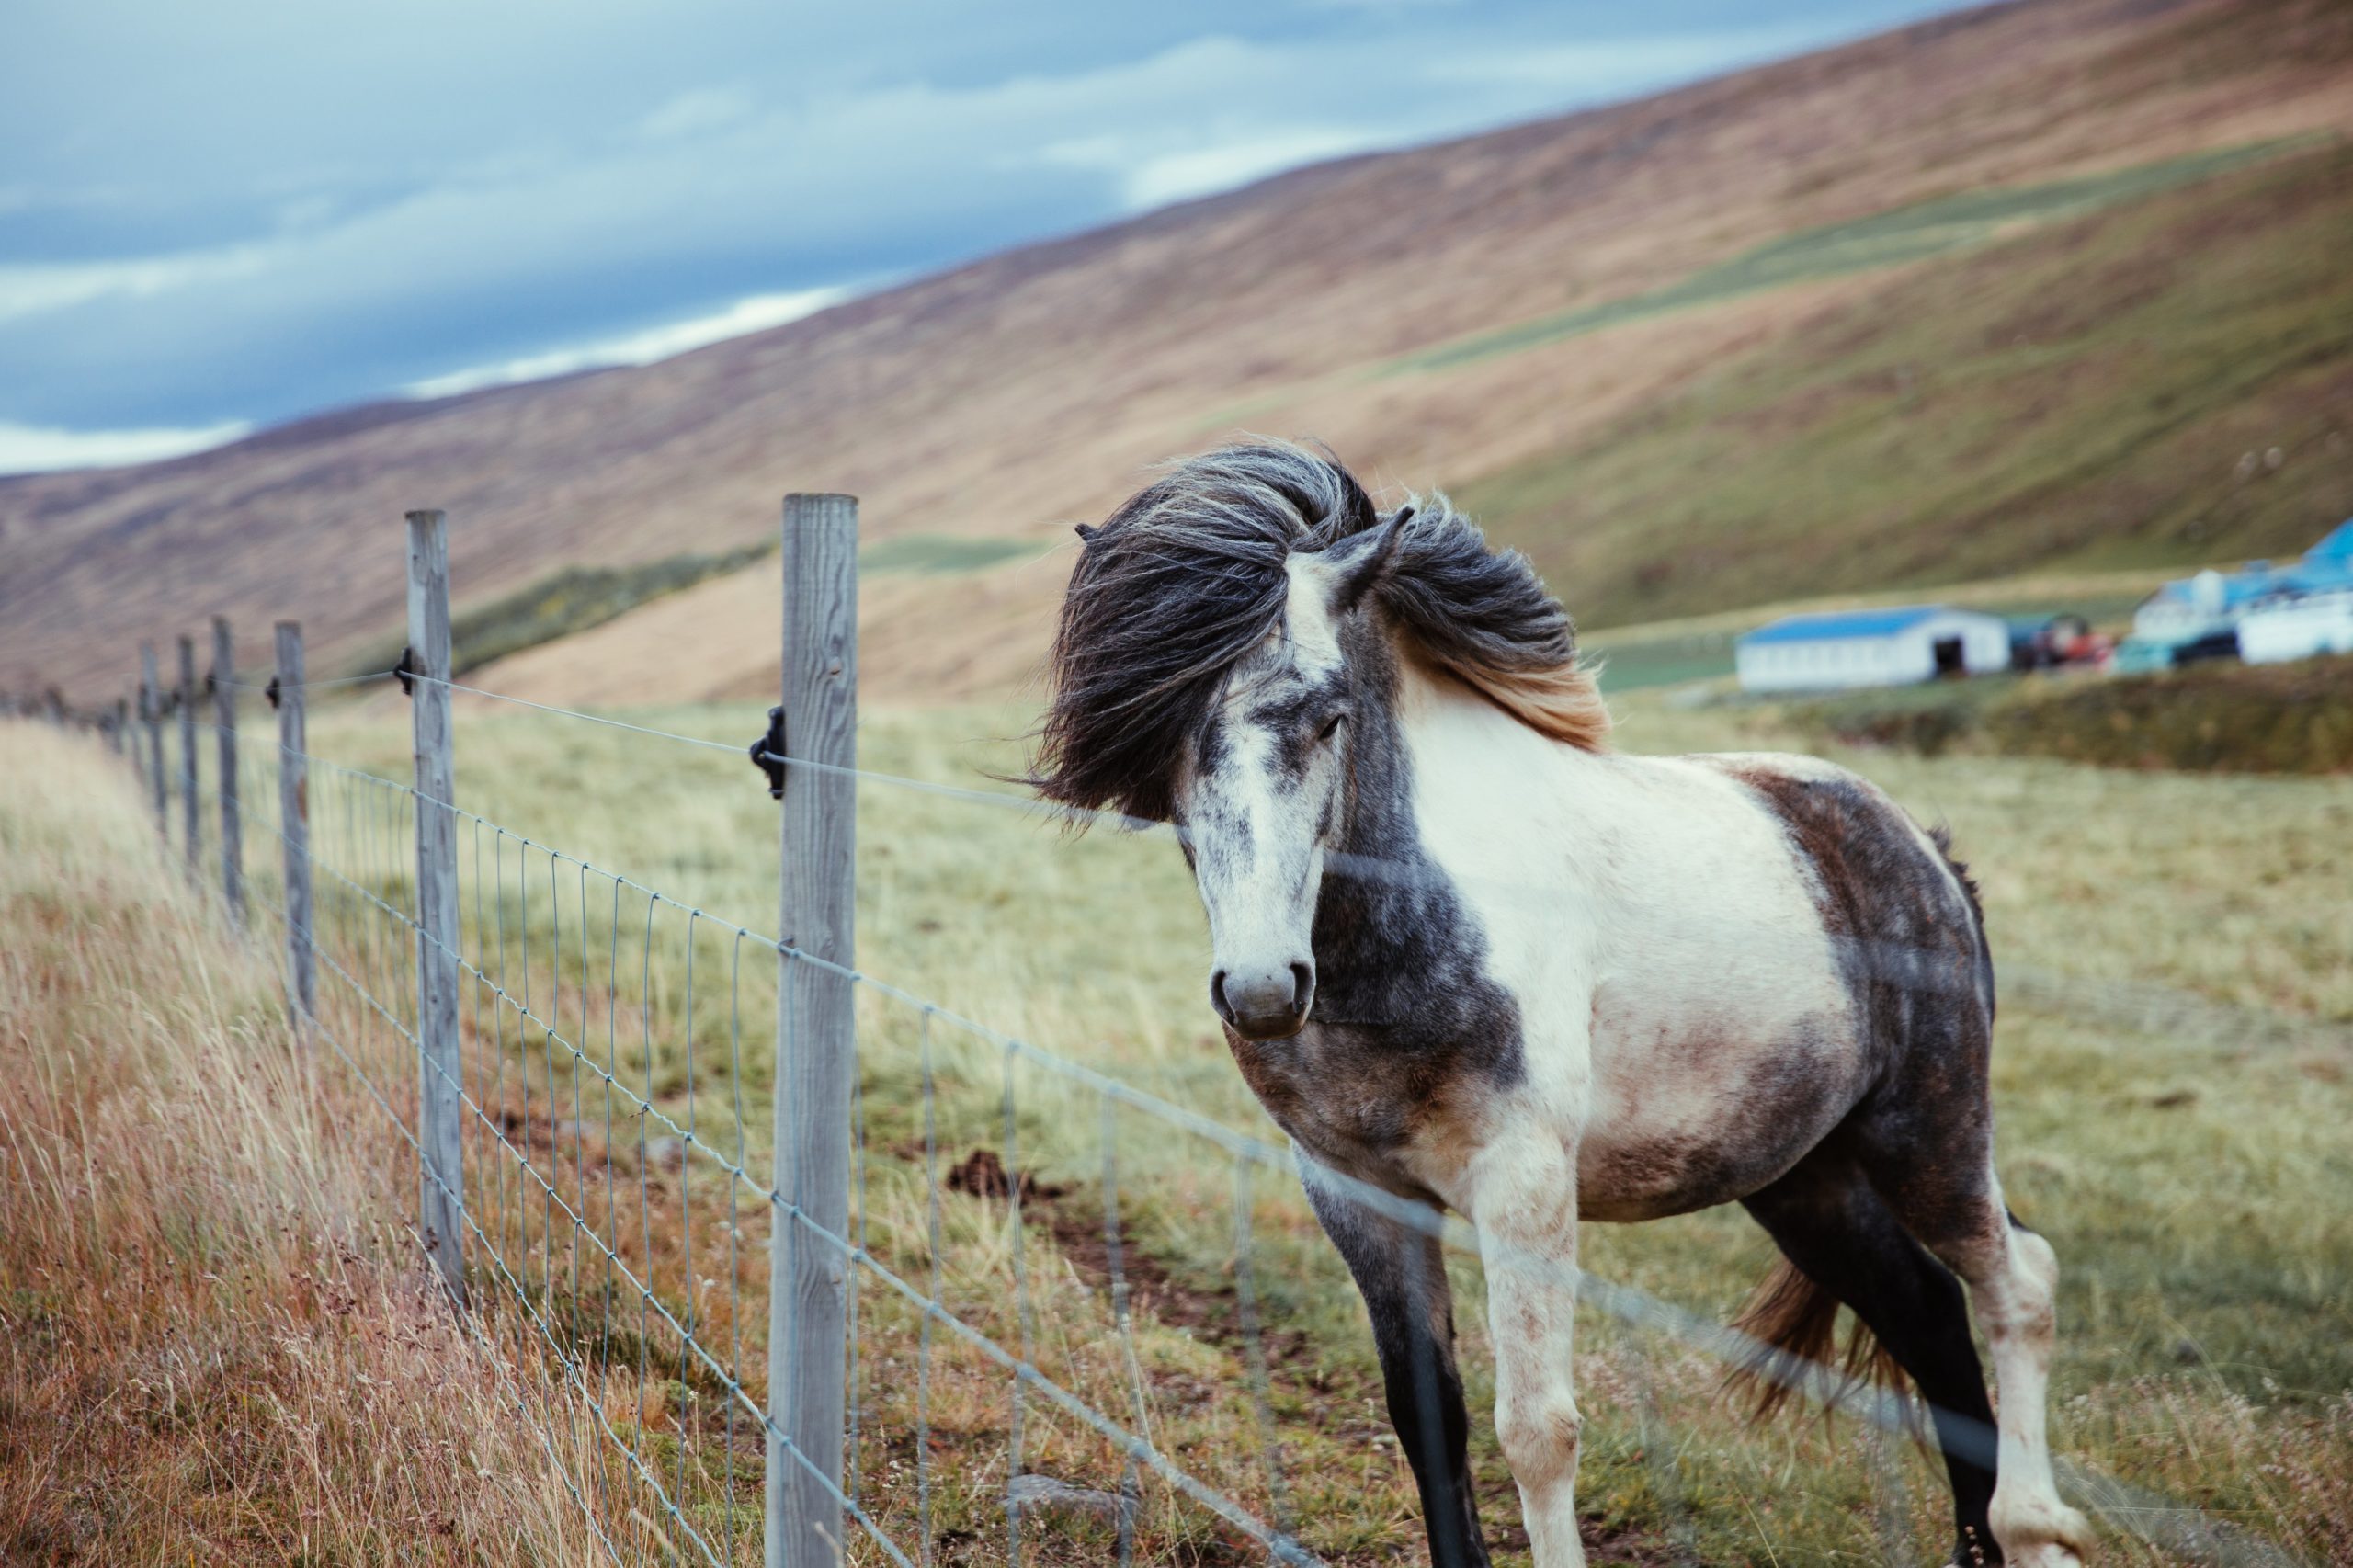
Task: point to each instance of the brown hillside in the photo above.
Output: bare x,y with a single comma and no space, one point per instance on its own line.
1028,389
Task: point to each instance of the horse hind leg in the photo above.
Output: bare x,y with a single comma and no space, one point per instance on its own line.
1843,1245
2013,1279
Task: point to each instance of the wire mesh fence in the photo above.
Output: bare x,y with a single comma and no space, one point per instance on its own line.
1084,1322
1073,1330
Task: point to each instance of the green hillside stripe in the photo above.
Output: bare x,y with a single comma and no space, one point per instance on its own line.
2156,385
942,553
1884,239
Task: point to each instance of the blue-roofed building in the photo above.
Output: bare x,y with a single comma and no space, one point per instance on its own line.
1898,646
2274,611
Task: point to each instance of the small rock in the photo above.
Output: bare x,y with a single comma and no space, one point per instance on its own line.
1050,1494
669,1152
2186,1351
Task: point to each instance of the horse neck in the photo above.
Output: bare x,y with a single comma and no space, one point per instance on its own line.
1436,763
1386,906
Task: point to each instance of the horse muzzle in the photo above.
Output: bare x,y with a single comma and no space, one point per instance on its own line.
1267,1003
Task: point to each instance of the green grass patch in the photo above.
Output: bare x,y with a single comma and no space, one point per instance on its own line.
941,553
2076,399
1639,662
2211,718
1884,239
578,597
561,603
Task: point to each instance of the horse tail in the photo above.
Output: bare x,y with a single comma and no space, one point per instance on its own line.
1792,1324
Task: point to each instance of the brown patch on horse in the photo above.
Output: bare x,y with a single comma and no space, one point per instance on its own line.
1794,1319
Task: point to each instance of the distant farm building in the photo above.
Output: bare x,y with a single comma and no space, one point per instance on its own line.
1871,647
2274,613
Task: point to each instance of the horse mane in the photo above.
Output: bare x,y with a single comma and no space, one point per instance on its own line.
1187,576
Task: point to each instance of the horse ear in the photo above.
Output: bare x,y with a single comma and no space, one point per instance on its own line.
1086,532
1363,560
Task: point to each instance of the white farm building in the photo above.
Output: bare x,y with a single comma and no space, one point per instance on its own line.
2301,627
1871,647
2296,611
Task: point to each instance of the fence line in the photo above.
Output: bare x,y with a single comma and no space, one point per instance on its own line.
834,1241
2150,1517
819,1242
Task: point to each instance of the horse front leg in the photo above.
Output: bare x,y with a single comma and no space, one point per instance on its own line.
1400,1272
1524,1189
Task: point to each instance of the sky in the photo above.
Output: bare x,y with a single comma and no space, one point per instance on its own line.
218,217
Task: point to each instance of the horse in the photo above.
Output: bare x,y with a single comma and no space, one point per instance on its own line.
1466,953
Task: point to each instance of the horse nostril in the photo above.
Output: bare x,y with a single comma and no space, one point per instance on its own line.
1263,1002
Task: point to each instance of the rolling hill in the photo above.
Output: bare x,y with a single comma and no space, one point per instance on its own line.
2039,286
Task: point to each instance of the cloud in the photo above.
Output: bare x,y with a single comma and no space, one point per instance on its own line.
1154,179
757,313
215,217
698,111
26,449
32,290
1584,68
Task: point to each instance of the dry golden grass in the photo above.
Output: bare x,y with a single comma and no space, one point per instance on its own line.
215,1343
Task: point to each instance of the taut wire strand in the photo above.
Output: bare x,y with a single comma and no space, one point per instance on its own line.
384,941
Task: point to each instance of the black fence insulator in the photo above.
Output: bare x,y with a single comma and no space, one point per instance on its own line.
768,753
271,691
407,671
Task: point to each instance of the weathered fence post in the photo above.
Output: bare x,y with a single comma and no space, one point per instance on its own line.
816,1054
151,719
440,1177
295,825
224,717
119,731
188,756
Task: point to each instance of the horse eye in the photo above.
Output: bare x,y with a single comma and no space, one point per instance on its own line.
1331,727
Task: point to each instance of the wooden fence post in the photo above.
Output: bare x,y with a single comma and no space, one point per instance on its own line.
194,826
151,719
294,826
440,1176
224,718
118,732
816,1053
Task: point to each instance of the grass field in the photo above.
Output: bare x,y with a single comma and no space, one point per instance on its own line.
1912,232
2080,395
2222,716
2172,1080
